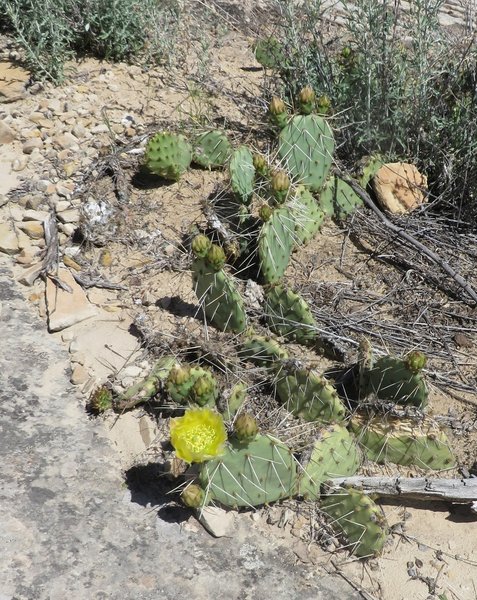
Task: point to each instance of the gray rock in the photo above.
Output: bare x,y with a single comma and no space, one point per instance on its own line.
69,528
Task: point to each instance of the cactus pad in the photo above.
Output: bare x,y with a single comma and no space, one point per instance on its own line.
269,53
307,214
334,454
212,149
306,394
252,474
275,244
306,148
359,519
289,315
220,299
393,379
262,351
346,200
168,155
326,201
403,441
242,174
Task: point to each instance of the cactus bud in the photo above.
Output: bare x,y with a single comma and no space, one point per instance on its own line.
216,257
178,375
323,105
416,361
280,184
101,400
202,390
260,164
245,428
193,496
201,245
265,212
278,112
306,100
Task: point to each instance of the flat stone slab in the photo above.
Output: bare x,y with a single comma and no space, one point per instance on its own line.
71,528
66,308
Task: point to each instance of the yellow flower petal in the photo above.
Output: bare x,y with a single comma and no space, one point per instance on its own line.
199,435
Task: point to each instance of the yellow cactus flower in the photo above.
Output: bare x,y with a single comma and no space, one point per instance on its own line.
199,435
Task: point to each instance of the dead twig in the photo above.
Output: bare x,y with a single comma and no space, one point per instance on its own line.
401,233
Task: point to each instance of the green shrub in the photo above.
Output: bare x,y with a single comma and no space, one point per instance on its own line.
413,99
51,32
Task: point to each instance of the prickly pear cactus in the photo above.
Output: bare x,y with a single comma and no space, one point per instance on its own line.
359,519
306,147
403,441
307,214
289,315
217,293
263,351
212,149
168,155
346,201
334,454
242,174
306,100
396,380
367,168
307,394
269,53
275,244
326,200
235,400
264,470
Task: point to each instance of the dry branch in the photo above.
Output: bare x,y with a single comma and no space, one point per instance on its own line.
459,491
411,240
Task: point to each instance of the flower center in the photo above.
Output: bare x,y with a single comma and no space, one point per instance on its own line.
199,437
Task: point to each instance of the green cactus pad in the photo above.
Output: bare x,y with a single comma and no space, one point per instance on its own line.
168,155
346,200
403,441
289,315
219,297
305,393
212,149
367,168
275,244
359,518
306,148
307,214
235,401
326,201
242,174
262,351
252,474
334,454
391,380
269,53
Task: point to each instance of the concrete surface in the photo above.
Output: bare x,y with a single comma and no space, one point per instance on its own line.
71,527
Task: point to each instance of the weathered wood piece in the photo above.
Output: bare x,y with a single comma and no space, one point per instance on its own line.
459,491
